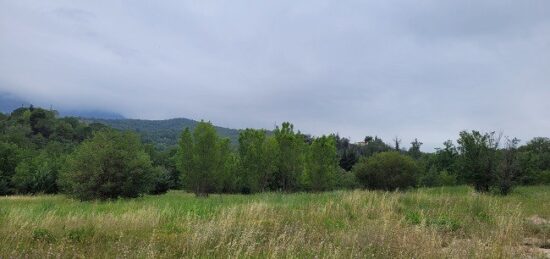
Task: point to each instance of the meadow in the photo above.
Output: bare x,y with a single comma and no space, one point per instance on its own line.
446,222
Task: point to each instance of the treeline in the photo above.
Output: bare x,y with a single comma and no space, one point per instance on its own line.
41,153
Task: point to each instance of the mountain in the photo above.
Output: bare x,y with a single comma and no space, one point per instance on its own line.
10,102
93,114
162,133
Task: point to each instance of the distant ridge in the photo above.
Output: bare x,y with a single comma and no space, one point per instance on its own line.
162,133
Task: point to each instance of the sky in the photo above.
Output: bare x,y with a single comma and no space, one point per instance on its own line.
397,68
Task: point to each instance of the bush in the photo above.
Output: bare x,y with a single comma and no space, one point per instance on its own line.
110,165
434,178
387,171
346,180
162,180
542,177
36,174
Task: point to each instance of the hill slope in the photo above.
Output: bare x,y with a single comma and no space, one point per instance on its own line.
163,133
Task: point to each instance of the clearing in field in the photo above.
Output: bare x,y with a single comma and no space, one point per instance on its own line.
425,223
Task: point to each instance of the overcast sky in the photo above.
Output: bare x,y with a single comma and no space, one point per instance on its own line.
424,69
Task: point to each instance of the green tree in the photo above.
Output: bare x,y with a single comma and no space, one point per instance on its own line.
290,164
162,181
534,159
387,171
10,155
478,158
201,159
322,163
184,157
110,165
414,150
254,159
36,174
509,167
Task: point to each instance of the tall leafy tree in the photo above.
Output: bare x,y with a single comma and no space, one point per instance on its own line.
478,158
290,162
508,169
10,156
201,159
252,153
322,163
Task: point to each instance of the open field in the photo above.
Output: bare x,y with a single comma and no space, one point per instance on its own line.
425,223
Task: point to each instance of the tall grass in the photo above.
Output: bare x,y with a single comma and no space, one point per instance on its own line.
425,223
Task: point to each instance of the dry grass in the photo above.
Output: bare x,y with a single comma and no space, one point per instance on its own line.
427,223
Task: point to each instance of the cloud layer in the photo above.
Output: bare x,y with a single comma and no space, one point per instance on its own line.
424,69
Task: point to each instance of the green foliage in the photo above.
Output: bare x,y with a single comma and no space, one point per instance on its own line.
508,168
253,160
201,159
534,160
444,159
36,174
346,180
478,158
347,153
290,164
110,165
10,155
162,133
387,171
434,178
414,151
322,163
162,180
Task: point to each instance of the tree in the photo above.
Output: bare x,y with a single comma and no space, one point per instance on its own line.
322,163
184,157
387,171
201,159
290,162
347,153
110,165
478,158
397,142
9,159
534,159
373,146
252,153
162,181
414,151
508,168
36,174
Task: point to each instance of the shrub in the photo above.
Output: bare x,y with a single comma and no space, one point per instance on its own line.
346,180
110,165
36,174
434,178
387,171
162,180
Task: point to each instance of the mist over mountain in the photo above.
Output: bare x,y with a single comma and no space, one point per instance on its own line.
10,102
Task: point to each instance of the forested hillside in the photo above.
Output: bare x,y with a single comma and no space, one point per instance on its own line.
163,133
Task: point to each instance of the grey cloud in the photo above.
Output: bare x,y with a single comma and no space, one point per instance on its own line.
423,69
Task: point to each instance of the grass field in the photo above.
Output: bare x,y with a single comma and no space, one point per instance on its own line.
425,223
